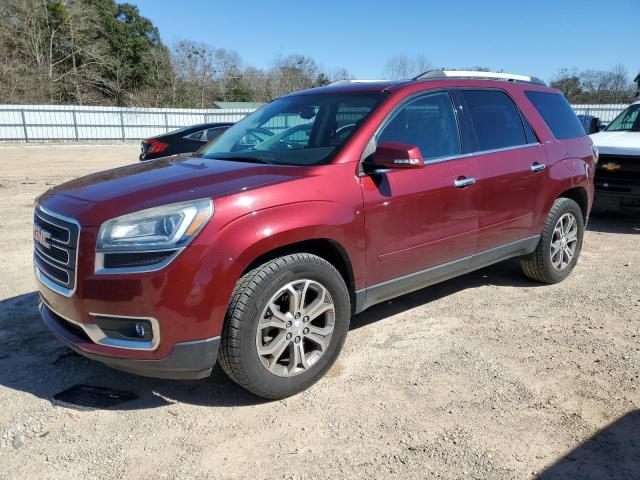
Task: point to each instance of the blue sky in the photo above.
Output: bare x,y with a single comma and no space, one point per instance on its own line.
516,36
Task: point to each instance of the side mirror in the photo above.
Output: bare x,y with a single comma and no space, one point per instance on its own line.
394,155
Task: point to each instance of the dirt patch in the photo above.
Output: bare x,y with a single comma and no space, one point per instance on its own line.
488,376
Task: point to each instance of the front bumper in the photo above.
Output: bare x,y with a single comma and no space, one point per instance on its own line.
611,193
186,360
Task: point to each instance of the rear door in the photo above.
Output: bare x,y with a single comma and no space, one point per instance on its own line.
511,167
418,218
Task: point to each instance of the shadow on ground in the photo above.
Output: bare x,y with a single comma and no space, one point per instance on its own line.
34,361
624,222
611,454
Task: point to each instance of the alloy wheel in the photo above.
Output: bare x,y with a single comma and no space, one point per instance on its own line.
564,241
295,327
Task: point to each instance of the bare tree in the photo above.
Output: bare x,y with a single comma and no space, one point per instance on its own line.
401,67
568,82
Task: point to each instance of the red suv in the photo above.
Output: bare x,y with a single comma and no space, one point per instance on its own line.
257,254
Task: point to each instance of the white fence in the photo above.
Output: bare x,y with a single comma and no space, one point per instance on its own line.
605,113
61,122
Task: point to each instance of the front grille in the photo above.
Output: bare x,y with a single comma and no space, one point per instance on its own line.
55,246
618,167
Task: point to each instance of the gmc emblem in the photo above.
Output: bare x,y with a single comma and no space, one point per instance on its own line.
41,236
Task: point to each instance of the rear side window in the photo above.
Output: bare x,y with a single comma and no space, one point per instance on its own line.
196,136
496,119
558,114
213,133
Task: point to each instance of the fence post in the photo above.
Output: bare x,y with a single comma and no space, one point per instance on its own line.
24,125
75,124
166,122
122,126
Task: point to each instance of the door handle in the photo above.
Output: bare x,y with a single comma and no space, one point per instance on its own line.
537,167
463,182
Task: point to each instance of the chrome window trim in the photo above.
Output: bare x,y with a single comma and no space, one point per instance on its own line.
100,269
97,335
467,155
41,276
480,152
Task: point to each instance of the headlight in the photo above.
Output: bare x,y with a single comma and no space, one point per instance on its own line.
160,228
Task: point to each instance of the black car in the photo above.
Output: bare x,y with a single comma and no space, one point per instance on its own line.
183,140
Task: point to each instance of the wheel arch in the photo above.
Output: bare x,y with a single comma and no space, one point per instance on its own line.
580,196
328,249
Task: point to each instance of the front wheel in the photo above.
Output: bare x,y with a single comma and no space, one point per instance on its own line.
560,243
286,324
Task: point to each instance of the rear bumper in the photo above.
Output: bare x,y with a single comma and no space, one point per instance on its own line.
186,360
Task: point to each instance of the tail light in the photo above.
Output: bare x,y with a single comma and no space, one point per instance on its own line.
155,146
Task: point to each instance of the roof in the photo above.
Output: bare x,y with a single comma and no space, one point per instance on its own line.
393,86
232,105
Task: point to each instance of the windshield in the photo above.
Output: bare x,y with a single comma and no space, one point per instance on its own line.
628,120
295,130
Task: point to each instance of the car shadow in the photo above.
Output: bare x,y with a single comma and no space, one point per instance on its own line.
506,273
621,222
34,361
613,453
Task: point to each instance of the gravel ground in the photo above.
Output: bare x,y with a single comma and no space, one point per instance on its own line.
488,376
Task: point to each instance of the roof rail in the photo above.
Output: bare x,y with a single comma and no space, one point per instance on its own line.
338,82
509,77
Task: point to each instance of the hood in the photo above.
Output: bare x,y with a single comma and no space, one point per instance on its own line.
617,143
100,196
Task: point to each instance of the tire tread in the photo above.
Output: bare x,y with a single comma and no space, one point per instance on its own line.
242,296
534,266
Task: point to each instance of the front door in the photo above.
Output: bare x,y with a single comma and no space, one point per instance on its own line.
420,218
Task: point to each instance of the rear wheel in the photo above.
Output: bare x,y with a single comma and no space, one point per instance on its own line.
560,243
286,324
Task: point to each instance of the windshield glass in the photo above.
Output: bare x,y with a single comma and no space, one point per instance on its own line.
295,130
627,120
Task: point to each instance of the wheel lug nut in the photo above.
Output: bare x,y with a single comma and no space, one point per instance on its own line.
305,319
297,339
288,336
297,315
288,324
305,331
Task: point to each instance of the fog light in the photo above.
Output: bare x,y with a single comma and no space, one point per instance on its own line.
124,328
140,331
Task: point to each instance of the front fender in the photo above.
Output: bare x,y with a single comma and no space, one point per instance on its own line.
249,236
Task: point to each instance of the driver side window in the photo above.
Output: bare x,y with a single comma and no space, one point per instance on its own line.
427,122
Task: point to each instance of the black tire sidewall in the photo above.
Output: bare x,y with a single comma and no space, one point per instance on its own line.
258,375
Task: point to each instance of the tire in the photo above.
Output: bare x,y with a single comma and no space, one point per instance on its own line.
259,298
539,265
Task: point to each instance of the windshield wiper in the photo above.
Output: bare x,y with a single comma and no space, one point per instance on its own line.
243,158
